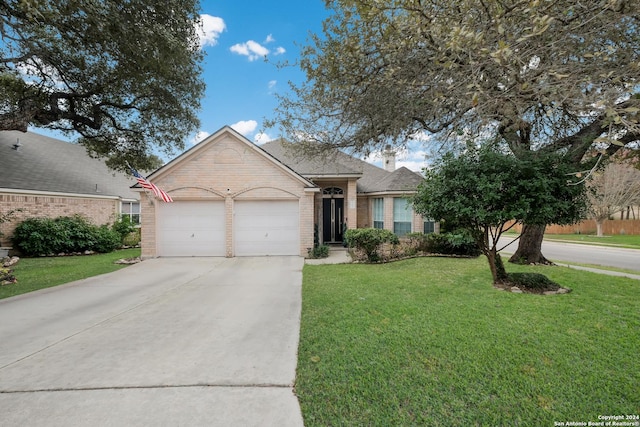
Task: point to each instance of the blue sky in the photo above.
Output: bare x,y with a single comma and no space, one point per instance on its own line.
240,83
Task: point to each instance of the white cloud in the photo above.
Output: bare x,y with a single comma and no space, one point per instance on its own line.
262,138
272,84
212,27
245,127
254,50
199,137
251,49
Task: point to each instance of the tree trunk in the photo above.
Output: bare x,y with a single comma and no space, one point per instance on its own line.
530,246
497,267
598,228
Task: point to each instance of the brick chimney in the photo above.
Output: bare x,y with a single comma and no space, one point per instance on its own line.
389,159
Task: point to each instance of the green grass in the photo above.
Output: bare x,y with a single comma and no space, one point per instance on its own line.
40,273
429,341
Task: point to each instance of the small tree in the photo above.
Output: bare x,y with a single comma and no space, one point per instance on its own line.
487,192
611,190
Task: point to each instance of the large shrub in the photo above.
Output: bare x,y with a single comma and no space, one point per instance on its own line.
370,240
125,228
46,236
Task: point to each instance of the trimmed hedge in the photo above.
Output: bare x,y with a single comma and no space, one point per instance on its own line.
454,243
75,234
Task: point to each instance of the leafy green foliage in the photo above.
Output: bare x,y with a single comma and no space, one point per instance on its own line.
485,190
454,243
125,76
369,240
533,282
123,227
46,236
320,251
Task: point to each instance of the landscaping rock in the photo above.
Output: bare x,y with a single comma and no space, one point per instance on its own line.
10,261
128,261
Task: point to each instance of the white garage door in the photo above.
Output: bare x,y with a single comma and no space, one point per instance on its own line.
190,229
266,228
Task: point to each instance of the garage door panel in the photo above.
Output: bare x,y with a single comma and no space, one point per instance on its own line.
191,229
267,228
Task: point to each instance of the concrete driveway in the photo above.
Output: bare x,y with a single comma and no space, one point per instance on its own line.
175,342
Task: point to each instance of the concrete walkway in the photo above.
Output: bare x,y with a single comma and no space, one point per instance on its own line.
167,342
336,256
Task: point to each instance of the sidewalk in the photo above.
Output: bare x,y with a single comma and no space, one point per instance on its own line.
599,271
341,256
336,256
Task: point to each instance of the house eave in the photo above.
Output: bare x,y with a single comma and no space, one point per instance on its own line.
61,194
332,176
388,193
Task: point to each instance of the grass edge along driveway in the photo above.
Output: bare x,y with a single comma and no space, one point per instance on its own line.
44,272
429,341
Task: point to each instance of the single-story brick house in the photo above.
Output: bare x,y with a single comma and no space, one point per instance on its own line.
47,177
235,198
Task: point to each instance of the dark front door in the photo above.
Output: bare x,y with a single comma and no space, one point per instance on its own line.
332,220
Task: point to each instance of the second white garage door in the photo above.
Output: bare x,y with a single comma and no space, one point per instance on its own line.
267,227
191,229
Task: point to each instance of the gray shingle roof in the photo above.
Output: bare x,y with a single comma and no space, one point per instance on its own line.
372,179
43,163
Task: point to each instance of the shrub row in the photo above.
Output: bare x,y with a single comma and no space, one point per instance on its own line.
458,243
376,244
46,236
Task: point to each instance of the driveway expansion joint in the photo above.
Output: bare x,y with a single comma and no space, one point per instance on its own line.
146,387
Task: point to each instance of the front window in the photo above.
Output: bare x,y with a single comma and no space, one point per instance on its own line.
402,216
131,210
429,226
378,213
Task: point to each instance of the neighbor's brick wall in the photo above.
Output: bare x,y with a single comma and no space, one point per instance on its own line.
99,211
228,168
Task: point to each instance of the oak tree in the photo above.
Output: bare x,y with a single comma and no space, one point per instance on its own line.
550,76
123,75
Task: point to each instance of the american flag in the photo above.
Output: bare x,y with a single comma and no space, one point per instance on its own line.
160,193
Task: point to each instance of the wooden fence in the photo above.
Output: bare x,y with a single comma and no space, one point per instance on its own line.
610,227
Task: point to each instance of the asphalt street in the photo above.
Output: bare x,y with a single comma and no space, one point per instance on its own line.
605,256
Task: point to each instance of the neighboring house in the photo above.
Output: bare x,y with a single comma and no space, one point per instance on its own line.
234,198
47,177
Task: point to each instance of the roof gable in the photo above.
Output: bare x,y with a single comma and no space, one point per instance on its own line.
230,149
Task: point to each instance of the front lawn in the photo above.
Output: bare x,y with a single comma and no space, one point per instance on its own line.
44,272
429,341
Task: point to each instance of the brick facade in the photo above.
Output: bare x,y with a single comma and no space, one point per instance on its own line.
224,167
99,211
